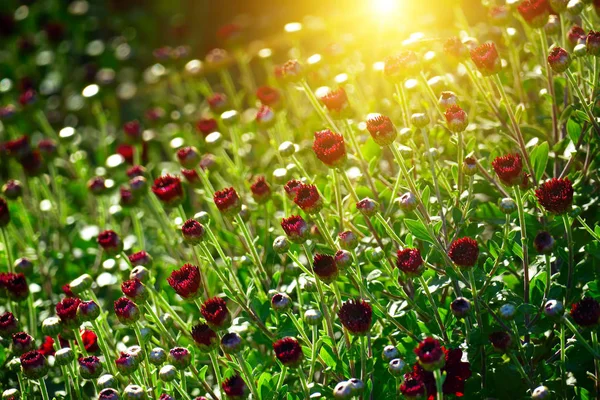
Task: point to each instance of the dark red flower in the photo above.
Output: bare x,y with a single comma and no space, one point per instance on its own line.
22,342
576,35
207,125
89,367
66,310
291,188
509,169
4,213
356,316
8,324
97,185
543,242
126,364
19,147
413,386
90,341
308,199
180,357
47,347
66,288
368,207
215,313
133,131
556,195
559,60
586,312
135,290
168,189
535,12
329,147
268,96
34,365
228,201
110,242
292,71
127,197
28,97
12,189
295,228
456,373
501,341
410,262
325,268
193,232
455,48
335,100
234,387
32,163
186,281
486,59
206,339
261,191
188,157
288,351
218,102
430,354
265,117
140,258
456,118
382,130
14,285
154,114
401,66
593,43
135,171
464,252
126,310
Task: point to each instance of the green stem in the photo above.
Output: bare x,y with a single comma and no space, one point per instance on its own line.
248,375
304,382
525,246
475,298
281,378
312,98
180,390
338,199
80,342
43,389
580,337
563,358
436,313
214,359
324,231
544,44
401,98
520,369
588,108
253,251
570,246
7,246
439,384
435,182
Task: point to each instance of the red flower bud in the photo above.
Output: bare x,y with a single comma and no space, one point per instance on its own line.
110,242
292,71
127,311
336,101
325,268
464,252
193,232
534,12
22,342
456,119
401,66
12,189
410,262
140,258
133,131
186,281
382,130
215,313
207,126
329,147
486,59
291,188
555,195
586,312
235,387
228,201
308,199
15,285
206,339
168,189
90,367
593,43
576,35
261,191
188,157
509,169
356,316
456,49
218,102
8,324
265,117
135,290
34,365
430,354
559,60
126,364
296,229
501,341
288,351
412,387
268,96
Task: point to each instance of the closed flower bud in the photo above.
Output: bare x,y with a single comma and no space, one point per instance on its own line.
586,312
559,60
325,268
554,309
552,27
558,6
486,59
265,117
189,157
180,357
281,302
141,273
343,259
534,12
469,166
157,356
127,311
508,311
106,381
89,367
137,352
64,356
228,201
543,242
330,148
22,342
593,43
261,191
168,190
288,351
66,310
375,255
138,185
168,373
134,392
193,232
97,186
34,365
12,189
430,354
456,119
296,229
409,261
313,317
540,393
9,324
51,326
501,341
127,364
287,149
447,99
499,15
141,259
456,49
420,120
390,352
88,311
109,394
234,387
110,242
460,307
507,205
205,338
231,343
348,240
343,391
135,290
556,195
281,245
575,7
396,366
215,313
356,385
81,284
464,252
408,202
11,394
368,207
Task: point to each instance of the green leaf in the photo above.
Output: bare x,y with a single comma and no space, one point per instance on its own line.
573,130
418,230
539,159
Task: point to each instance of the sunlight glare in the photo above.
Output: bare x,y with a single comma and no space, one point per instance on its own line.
384,6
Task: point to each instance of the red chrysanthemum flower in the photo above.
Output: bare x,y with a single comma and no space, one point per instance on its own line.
576,35
535,12
127,197
456,373
509,169
291,188
215,313
188,157
126,151
261,191
413,386
228,201
8,324
90,341
34,365
66,288
586,312
12,189
140,258
186,281
356,316
18,147
234,387
4,213
32,163
268,96
410,262
329,147
559,60
168,189
296,229
110,242
66,310
430,354
592,43
556,195
464,252
325,268
401,66
126,310
22,342
135,171
133,131
501,341
382,130
455,48
486,59
335,100
135,290
456,118
207,125
28,97
193,232
206,339
292,71
218,102
308,199
90,367
47,346
288,351
126,364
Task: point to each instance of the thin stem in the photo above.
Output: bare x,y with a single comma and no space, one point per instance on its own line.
570,244
435,182
439,384
248,375
389,229
475,298
544,43
563,358
312,98
304,382
520,369
588,108
363,359
580,337
80,342
524,245
43,389
180,390
436,313
253,252
324,231
401,98
338,199
596,361
214,359
9,256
